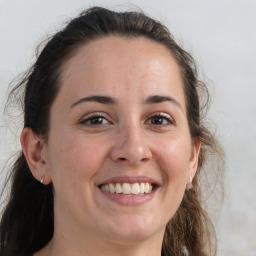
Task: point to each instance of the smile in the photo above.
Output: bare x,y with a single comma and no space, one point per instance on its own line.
127,188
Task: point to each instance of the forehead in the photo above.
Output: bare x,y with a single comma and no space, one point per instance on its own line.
113,49
121,64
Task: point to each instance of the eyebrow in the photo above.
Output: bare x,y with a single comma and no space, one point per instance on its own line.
96,98
111,101
159,99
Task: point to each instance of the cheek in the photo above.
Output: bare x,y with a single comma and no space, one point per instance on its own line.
75,159
174,162
175,156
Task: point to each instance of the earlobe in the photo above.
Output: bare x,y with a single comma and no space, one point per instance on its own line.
194,160
33,148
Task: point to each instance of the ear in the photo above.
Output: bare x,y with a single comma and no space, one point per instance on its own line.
193,163
34,149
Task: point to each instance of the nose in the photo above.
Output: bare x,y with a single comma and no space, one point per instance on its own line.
131,147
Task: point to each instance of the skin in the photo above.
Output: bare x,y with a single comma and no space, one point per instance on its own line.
129,140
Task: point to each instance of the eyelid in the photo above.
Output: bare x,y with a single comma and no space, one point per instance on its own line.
94,114
86,117
165,115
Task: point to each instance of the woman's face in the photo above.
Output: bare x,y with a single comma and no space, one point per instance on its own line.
119,123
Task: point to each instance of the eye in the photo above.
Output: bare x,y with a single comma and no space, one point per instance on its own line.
94,120
160,119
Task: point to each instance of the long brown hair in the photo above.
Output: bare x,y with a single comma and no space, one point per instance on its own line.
27,221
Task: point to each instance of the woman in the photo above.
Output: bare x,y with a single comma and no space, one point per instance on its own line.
113,145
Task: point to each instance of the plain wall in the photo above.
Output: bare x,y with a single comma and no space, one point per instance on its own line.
219,34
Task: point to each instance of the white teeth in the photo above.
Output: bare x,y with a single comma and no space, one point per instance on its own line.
106,188
128,189
142,188
118,188
112,189
135,189
146,188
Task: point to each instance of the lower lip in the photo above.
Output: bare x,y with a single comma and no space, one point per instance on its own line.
129,200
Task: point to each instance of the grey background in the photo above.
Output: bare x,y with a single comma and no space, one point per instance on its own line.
221,35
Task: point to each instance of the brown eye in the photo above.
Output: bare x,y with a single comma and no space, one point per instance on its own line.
157,120
160,119
94,121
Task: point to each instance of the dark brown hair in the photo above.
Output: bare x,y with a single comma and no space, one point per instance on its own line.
27,220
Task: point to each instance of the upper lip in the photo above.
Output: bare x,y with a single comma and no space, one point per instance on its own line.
130,179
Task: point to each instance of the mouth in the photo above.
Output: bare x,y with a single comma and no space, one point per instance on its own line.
128,189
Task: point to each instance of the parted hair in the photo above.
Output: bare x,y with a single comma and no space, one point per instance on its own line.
27,222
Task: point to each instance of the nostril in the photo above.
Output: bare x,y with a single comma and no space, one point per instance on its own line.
123,159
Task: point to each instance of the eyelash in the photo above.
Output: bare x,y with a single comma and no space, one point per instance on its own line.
162,116
91,117
94,116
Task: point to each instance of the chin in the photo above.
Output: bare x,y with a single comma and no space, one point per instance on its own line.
134,230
